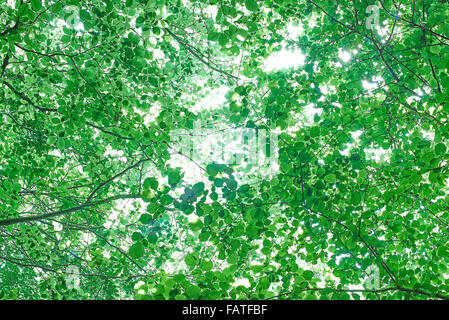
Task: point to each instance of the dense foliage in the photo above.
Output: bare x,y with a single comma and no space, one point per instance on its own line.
94,203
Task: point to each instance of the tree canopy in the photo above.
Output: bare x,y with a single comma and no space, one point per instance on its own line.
99,201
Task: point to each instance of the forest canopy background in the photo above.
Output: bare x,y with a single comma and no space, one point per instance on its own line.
98,202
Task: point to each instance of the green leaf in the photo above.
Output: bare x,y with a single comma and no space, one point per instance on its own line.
153,81
206,265
150,183
193,292
308,275
251,5
65,39
191,260
212,169
443,252
356,198
136,250
243,188
435,49
147,195
173,178
330,178
223,39
213,36
196,226
36,4
52,140
145,218
198,187
440,149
